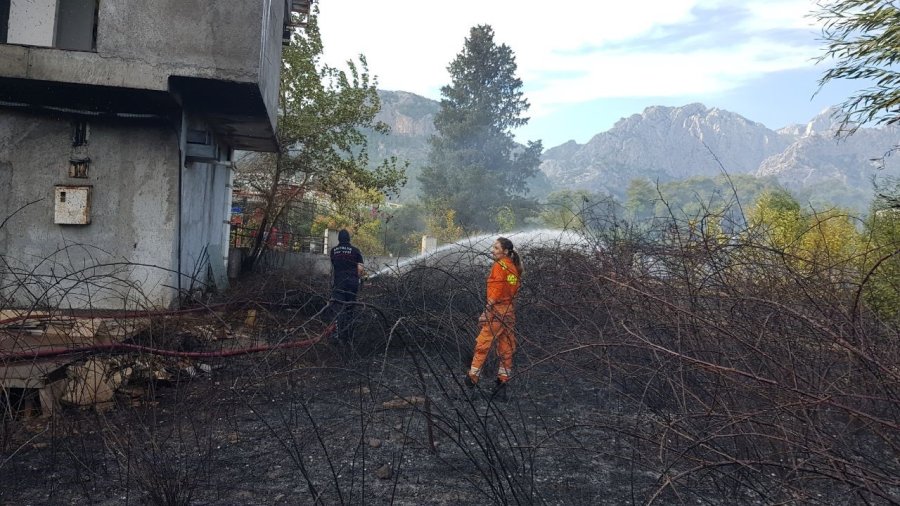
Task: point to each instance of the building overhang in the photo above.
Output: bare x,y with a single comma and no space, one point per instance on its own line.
87,101
234,111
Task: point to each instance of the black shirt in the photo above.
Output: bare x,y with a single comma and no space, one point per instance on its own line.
344,259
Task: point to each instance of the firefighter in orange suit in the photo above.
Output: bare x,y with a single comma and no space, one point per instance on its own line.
499,318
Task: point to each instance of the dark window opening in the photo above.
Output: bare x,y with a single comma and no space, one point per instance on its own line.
62,196
79,133
4,20
76,24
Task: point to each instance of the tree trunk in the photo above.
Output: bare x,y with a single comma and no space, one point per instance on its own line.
260,243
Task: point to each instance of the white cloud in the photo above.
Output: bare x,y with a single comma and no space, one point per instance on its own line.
601,49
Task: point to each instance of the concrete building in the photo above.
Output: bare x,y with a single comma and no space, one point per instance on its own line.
118,120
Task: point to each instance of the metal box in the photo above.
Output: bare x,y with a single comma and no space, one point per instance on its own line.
72,205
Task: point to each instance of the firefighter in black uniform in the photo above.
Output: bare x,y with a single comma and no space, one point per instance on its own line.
347,266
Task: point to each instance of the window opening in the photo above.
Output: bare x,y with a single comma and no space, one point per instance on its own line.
76,25
4,20
79,133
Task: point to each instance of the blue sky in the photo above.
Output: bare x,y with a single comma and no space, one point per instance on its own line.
587,64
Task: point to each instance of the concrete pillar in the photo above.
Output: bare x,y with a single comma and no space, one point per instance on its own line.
235,261
331,240
32,22
428,244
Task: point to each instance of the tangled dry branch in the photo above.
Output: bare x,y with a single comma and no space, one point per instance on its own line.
654,367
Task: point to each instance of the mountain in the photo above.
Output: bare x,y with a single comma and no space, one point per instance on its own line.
664,143
411,119
840,171
673,143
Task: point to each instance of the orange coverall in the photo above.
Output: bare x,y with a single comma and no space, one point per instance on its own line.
498,320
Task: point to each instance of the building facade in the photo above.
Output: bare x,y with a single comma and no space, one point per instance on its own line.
118,121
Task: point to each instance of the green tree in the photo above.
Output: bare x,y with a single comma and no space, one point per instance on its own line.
444,227
475,166
322,111
829,243
565,209
404,227
642,197
862,39
881,265
357,211
777,217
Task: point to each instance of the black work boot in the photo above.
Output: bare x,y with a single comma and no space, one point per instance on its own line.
469,381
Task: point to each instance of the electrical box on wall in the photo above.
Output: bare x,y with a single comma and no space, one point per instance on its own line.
73,205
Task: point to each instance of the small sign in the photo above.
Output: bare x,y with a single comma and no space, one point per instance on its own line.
237,210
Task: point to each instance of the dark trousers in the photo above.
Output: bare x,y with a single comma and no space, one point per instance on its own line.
344,312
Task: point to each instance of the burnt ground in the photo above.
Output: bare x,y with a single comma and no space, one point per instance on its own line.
317,425
624,392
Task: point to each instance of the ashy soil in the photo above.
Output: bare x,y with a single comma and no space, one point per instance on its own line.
616,398
312,426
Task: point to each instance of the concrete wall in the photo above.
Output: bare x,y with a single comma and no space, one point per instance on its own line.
220,36
140,44
219,59
270,55
125,256
32,22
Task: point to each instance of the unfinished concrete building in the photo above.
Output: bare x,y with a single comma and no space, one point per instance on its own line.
118,120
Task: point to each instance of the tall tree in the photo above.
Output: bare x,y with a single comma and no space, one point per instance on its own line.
475,166
322,148
881,265
566,209
778,218
862,38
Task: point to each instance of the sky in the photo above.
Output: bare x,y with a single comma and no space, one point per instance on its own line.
586,64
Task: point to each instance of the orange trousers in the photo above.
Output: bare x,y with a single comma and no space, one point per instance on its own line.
500,327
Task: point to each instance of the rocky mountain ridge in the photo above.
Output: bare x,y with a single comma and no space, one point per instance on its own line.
672,143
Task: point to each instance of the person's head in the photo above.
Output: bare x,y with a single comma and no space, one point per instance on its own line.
343,236
503,247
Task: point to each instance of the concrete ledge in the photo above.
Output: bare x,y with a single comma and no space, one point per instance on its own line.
80,67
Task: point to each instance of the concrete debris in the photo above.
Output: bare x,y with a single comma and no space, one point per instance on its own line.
70,330
95,381
151,368
375,442
29,332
